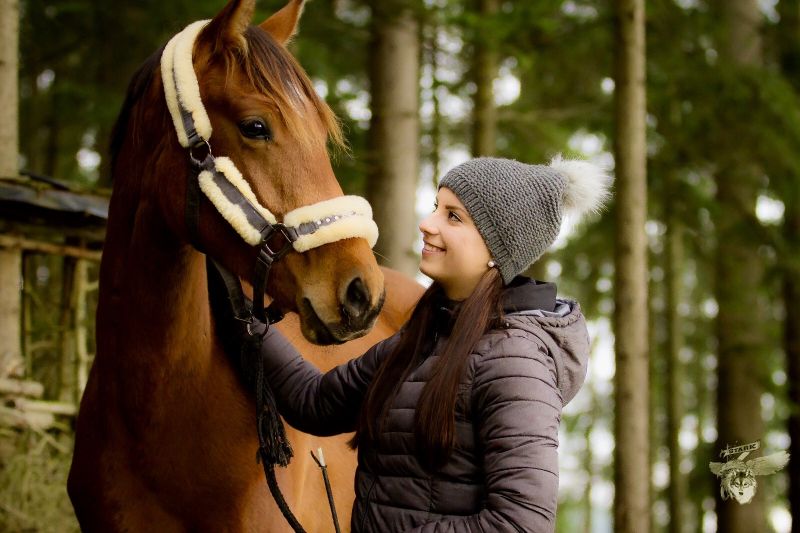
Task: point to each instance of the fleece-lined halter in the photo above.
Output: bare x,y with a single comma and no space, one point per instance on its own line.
221,182
302,229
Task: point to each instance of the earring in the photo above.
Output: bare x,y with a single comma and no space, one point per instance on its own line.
491,264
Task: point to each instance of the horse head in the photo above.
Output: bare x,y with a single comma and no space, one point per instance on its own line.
260,114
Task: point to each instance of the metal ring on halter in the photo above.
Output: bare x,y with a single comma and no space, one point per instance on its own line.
199,162
289,235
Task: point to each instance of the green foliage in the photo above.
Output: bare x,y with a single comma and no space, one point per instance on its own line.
76,60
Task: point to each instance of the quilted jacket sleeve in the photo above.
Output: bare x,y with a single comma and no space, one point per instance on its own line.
313,402
517,409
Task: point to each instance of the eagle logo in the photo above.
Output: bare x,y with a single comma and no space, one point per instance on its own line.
738,476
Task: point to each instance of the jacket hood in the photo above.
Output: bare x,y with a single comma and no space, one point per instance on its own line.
532,306
559,323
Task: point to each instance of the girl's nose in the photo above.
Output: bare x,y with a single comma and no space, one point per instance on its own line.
426,226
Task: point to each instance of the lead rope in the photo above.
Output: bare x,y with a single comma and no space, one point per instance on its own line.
231,311
273,446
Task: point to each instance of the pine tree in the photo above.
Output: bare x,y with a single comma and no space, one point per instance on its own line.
394,130
631,455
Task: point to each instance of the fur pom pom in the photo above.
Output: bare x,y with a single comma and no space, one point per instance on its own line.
588,186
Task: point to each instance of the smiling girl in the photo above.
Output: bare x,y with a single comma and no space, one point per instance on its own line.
457,415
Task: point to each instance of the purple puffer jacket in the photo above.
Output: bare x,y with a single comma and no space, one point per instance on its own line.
503,472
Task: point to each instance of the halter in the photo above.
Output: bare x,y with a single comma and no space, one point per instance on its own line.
302,229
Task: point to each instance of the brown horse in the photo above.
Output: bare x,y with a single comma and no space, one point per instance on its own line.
166,438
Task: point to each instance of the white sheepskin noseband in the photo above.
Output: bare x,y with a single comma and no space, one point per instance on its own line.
313,225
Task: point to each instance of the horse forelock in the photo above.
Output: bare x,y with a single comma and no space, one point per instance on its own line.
273,71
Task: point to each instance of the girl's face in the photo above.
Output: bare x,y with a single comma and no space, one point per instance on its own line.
454,253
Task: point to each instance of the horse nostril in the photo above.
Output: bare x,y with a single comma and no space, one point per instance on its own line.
356,298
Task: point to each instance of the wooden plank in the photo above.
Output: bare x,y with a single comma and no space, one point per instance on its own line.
40,406
21,420
32,389
11,362
13,241
81,330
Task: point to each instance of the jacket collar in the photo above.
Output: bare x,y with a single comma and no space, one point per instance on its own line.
522,294
526,294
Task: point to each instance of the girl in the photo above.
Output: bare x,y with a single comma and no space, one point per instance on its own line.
456,415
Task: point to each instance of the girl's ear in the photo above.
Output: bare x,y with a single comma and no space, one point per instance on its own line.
283,25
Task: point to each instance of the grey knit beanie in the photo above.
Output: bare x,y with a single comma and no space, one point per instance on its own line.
518,208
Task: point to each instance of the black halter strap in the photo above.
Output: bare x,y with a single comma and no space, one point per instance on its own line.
276,239
242,324
241,338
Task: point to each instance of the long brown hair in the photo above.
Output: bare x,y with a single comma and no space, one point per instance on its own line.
435,412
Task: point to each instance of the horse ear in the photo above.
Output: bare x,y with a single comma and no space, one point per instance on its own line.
228,27
283,24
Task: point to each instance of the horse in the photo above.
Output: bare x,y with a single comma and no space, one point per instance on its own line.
165,436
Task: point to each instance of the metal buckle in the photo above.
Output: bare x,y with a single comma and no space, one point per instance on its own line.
274,249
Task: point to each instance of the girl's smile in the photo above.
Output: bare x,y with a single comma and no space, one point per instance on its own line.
430,249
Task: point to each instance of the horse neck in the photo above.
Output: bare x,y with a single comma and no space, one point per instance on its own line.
153,293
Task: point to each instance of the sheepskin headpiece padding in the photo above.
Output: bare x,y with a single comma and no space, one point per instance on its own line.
343,217
180,83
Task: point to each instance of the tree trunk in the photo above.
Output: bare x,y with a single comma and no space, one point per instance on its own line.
484,113
9,88
631,454
739,274
588,462
394,131
789,31
674,370
436,119
703,409
791,298
82,358
655,371
66,371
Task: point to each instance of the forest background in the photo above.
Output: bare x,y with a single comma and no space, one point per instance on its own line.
423,85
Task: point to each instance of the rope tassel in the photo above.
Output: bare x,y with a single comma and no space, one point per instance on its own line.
273,446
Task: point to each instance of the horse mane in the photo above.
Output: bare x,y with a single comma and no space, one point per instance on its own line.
139,83
268,66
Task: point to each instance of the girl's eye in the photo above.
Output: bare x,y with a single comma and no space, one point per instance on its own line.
255,128
453,216
435,207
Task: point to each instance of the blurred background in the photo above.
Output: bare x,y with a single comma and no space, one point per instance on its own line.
690,281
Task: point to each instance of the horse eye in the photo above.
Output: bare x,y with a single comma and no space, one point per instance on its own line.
255,128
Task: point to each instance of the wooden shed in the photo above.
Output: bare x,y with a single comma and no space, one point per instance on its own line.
51,237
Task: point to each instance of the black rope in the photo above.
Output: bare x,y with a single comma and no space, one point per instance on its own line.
277,495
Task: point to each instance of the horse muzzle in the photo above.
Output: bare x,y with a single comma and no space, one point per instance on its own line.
356,315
